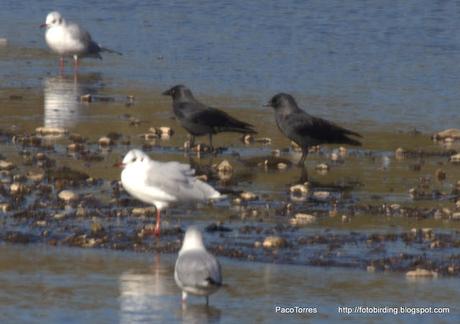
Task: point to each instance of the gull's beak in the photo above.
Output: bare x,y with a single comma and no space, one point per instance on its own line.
167,93
43,25
120,165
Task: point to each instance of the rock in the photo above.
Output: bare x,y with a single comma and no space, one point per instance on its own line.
150,136
302,219
165,131
321,195
334,157
77,138
3,42
133,121
248,139
395,207
17,188
81,212
456,216
86,98
6,165
224,166
68,195
457,204
35,176
370,268
276,153
257,244
4,207
343,151
75,147
41,223
421,273
281,166
299,192
448,133
51,131
143,211
105,141
322,167
455,158
400,153
96,228
59,216
440,174
247,196
346,219
237,201
274,242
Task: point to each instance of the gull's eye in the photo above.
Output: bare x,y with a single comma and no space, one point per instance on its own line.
142,159
133,159
54,21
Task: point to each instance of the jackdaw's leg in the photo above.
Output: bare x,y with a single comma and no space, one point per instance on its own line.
210,142
304,156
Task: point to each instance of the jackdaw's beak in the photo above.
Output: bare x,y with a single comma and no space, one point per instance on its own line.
268,104
167,93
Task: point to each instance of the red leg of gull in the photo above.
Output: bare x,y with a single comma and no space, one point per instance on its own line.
76,64
157,225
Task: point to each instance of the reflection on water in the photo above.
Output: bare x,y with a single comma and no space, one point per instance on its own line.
62,104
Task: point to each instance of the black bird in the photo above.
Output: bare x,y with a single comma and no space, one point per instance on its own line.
306,130
199,119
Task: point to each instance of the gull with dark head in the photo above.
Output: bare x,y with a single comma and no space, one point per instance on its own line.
197,271
69,39
162,183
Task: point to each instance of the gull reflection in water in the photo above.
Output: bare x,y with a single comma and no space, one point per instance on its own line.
153,297
62,104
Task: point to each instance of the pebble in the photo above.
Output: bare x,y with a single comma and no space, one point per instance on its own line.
322,167
457,204
273,242
17,188
281,166
3,42
224,166
248,139
448,133
143,211
4,207
86,98
370,268
41,223
264,140
455,158
299,188
456,216
150,136
35,176
343,151
303,219
166,131
400,153
6,165
105,141
421,273
247,196
321,195
75,147
96,228
68,195
59,216
51,130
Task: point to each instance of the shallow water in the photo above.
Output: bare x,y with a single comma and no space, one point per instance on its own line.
43,284
375,63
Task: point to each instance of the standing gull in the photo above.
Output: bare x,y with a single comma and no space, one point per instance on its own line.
69,39
162,183
197,271
199,119
306,130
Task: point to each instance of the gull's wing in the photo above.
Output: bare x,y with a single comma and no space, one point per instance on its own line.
198,268
81,36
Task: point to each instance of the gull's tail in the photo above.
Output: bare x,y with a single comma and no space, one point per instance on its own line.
108,50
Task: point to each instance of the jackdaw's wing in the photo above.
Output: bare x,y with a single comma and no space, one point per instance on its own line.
220,121
198,269
321,129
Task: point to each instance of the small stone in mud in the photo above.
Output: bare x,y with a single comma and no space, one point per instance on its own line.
3,42
323,167
6,165
4,207
455,158
448,133
51,131
105,141
143,211
343,151
75,147
370,268
299,189
165,131
400,153
86,98
150,136
257,244
281,166
417,273
321,195
224,166
17,188
247,196
59,216
77,138
440,174
302,219
96,228
456,216
68,195
217,227
133,121
248,139
273,242
35,176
